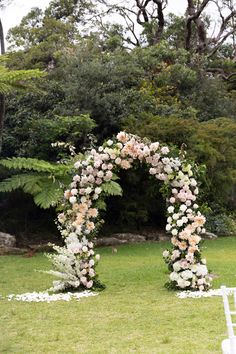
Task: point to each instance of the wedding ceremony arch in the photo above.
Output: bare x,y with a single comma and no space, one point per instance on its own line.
75,263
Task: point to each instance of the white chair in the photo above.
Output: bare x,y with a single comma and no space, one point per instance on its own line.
229,345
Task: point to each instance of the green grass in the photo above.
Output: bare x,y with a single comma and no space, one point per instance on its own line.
135,314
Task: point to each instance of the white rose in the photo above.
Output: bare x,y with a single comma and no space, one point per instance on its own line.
85,249
109,142
98,190
118,160
174,276
91,262
89,284
183,208
175,216
187,274
165,150
74,191
77,164
166,254
180,223
201,270
193,182
174,232
170,209
83,280
176,266
72,200
100,174
88,190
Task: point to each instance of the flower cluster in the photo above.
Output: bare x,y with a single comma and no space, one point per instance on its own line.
75,263
185,224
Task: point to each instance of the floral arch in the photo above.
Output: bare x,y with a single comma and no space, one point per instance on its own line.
75,263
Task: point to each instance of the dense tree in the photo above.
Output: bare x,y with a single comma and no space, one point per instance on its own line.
152,16
171,82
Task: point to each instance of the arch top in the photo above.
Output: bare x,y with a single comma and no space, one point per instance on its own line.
75,263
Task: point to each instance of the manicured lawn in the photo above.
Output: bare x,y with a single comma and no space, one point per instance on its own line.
135,314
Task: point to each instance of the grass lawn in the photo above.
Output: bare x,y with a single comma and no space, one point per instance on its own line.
135,314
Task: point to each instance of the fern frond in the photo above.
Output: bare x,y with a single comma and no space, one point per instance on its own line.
112,188
30,183
13,79
19,163
49,196
45,189
101,204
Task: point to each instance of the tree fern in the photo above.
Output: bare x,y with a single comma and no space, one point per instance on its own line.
29,183
44,182
112,188
19,163
49,196
17,79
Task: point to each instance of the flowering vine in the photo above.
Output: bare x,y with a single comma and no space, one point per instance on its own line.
75,263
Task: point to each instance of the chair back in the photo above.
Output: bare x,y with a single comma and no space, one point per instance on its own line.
228,315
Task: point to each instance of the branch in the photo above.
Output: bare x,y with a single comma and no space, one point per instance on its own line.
223,39
221,73
161,21
193,15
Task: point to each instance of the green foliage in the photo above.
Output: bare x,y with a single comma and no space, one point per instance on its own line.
45,183
221,223
36,120
19,163
210,143
112,188
17,79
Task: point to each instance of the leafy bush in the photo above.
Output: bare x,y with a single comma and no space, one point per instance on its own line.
221,224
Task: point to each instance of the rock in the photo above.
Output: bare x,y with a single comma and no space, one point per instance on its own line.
7,240
40,247
118,239
109,241
11,250
151,236
129,237
156,236
164,238
209,235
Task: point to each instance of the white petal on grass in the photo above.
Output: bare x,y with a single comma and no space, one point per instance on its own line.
46,297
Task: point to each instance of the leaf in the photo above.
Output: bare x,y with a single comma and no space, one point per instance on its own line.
28,182
101,204
19,163
14,79
49,196
112,188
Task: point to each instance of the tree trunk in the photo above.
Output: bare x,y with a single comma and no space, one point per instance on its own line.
193,15
2,38
2,97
